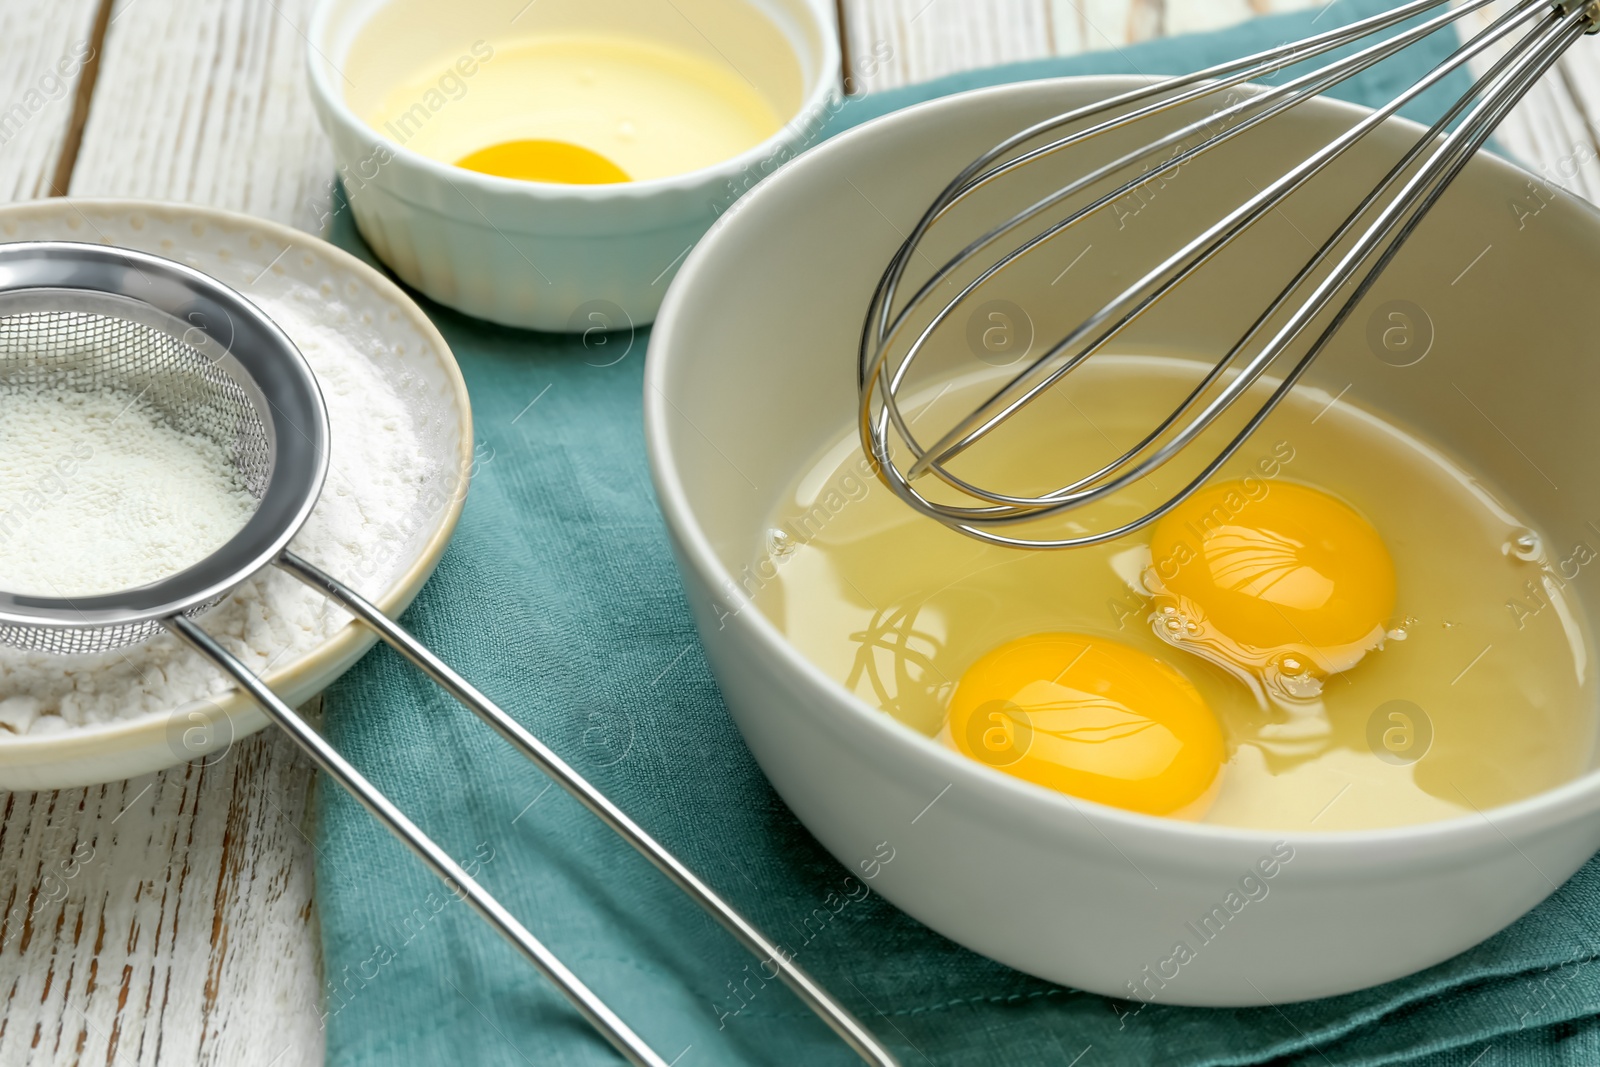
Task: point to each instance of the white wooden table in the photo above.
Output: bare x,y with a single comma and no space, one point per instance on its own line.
169,919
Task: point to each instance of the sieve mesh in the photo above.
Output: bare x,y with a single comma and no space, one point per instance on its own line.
195,394
85,641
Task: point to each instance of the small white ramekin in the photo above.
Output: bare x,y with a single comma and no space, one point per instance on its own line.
537,254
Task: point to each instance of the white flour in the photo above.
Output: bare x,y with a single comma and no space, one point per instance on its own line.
378,484
98,493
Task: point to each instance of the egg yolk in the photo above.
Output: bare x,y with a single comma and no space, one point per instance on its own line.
1276,564
1093,718
544,161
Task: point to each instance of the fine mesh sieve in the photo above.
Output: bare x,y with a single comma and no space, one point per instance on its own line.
92,319
209,363
197,389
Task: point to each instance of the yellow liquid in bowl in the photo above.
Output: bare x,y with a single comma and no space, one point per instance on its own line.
577,109
1475,690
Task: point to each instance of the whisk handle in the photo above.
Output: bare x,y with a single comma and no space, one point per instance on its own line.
815,997
602,1018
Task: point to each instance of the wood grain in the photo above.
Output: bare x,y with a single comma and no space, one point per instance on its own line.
931,38
165,919
206,101
1552,131
169,919
40,41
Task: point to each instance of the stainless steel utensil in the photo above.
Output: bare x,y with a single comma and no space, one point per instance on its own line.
92,318
1518,47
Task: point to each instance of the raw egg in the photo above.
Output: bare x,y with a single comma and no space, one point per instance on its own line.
576,109
544,161
1091,717
1269,592
1272,576
1276,564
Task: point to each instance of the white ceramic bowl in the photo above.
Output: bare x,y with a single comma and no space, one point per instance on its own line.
277,267
751,374
538,254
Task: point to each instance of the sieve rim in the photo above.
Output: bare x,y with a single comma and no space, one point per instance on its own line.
203,313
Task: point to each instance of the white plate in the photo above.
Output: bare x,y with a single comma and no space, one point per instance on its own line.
274,266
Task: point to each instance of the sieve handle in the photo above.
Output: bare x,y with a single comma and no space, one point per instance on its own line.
602,1018
815,997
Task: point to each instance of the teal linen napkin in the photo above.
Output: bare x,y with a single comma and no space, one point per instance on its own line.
558,596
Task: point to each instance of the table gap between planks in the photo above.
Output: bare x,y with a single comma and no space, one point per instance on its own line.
169,919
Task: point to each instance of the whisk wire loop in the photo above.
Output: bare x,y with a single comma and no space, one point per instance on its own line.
1208,81
1266,103
1432,162
1139,297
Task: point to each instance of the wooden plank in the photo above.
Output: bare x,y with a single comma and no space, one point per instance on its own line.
169,919
46,45
165,919
1552,130
207,102
930,38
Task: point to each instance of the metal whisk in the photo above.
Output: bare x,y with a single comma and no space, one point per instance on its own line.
87,318
1523,43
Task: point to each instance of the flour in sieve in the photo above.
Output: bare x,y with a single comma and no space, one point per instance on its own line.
99,493
381,490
